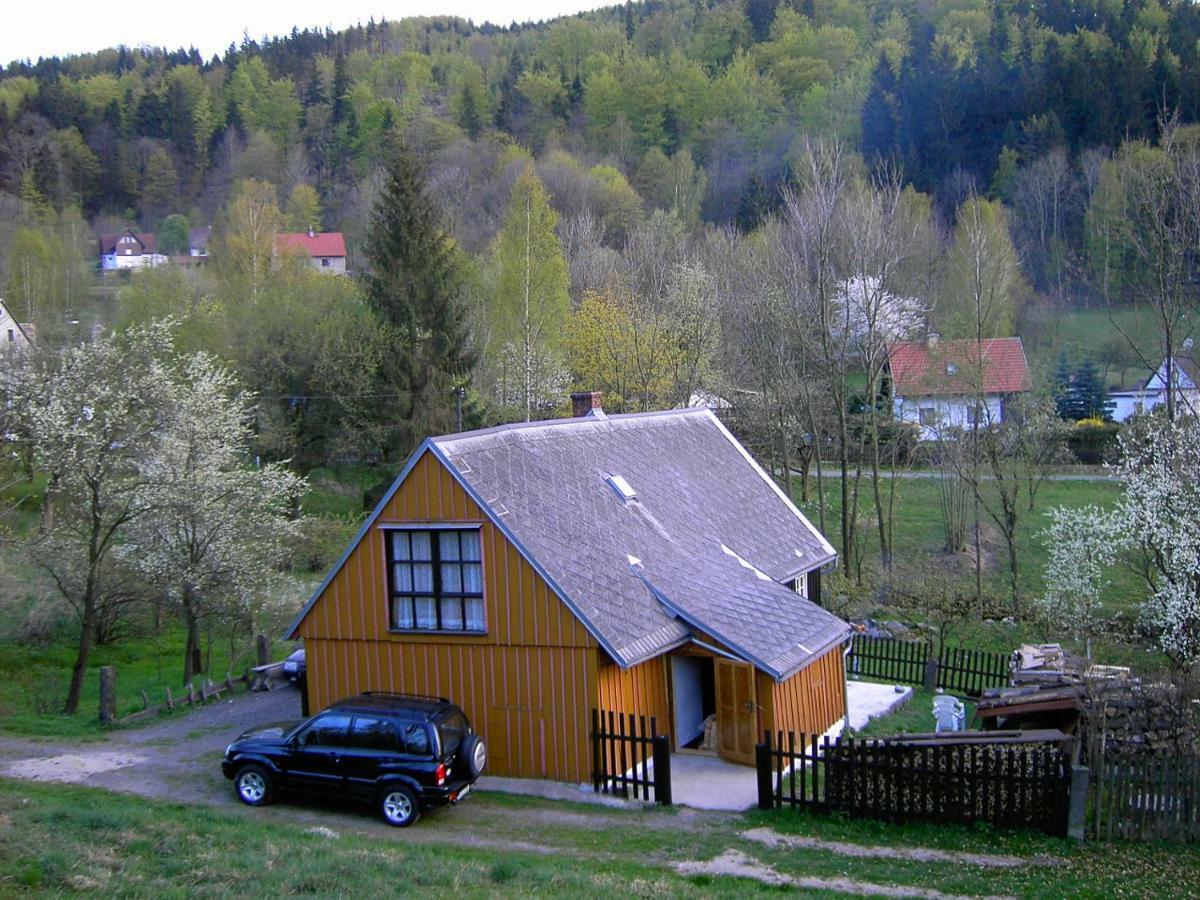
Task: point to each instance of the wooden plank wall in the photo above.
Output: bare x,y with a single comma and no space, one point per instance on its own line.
810,701
640,690
528,684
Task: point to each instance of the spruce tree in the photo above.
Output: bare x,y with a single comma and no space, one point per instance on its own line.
413,282
1060,381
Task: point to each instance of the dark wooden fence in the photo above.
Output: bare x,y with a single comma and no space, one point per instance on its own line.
958,669
626,756
1008,785
971,672
1146,797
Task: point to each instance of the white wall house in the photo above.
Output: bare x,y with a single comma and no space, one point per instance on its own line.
1184,373
14,335
938,385
326,250
129,250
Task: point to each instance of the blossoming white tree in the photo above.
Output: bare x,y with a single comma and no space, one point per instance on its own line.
219,526
90,417
1159,518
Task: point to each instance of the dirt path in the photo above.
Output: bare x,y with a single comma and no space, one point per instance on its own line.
775,840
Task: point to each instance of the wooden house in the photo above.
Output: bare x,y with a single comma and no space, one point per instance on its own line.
534,572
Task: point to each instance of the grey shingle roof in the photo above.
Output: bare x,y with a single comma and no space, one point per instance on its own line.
702,547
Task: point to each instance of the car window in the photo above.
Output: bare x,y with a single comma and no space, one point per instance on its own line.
371,733
416,739
326,731
452,730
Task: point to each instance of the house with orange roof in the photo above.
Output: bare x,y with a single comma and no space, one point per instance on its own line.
940,385
326,249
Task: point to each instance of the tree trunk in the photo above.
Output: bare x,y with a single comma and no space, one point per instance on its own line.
82,657
192,663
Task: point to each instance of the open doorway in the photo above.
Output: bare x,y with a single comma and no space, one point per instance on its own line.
695,698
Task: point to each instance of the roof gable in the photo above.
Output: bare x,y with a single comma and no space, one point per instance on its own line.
1184,372
144,243
948,368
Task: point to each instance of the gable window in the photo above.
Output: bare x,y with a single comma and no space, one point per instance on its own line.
435,580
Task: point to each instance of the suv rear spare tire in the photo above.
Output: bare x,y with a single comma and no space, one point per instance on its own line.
474,752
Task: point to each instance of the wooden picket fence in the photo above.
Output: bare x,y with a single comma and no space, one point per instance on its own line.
626,756
1148,797
959,669
1010,785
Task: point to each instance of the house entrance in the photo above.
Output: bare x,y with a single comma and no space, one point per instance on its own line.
692,682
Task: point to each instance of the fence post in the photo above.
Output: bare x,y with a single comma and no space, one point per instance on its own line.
1077,811
762,769
931,674
662,769
108,695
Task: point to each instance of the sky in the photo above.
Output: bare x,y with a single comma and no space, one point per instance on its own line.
64,27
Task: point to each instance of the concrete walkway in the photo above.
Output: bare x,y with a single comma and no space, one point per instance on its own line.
866,701
705,781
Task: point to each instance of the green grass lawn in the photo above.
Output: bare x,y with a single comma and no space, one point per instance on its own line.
67,840
34,679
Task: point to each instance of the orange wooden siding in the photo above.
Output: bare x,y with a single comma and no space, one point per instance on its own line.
528,684
640,690
810,701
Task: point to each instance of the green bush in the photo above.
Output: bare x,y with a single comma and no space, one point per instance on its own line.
323,539
1093,442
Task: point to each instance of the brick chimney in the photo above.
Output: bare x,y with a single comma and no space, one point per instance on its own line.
586,403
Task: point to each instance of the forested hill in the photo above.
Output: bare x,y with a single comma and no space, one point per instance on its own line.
960,92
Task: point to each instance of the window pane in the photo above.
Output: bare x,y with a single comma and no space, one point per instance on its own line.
470,545
451,579
374,734
402,612
452,614
327,731
426,612
420,545
474,610
400,545
402,580
448,545
472,577
422,574
416,739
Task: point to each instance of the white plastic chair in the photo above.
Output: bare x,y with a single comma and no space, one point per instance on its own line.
949,714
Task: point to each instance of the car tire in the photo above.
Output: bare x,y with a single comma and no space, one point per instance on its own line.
398,805
254,785
474,752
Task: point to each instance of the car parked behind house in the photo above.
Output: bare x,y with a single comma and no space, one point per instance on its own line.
402,752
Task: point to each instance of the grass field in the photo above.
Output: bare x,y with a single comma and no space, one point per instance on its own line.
68,840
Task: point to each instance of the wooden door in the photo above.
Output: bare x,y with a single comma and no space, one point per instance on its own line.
737,713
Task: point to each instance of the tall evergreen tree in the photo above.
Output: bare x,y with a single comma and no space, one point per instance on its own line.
413,281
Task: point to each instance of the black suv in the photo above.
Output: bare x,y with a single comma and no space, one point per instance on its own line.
405,753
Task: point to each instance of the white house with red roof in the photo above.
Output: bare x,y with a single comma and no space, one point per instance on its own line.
939,385
326,249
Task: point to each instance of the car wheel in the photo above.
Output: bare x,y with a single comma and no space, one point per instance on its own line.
474,751
398,805
254,785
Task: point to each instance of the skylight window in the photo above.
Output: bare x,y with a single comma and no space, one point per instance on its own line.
623,488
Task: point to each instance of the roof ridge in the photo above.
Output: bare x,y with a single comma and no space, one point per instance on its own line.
548,424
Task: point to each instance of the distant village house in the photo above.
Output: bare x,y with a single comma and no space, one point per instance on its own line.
129,250
1185,375
939,385
14,335
326,249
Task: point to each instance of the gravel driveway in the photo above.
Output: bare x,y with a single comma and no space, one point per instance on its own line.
177,758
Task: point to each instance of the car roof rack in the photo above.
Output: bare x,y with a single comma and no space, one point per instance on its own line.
398,696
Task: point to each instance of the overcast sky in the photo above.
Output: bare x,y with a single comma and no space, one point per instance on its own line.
62,27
